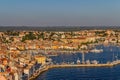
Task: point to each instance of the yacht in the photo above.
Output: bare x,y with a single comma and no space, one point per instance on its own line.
94,62
78,61
97,50
87,61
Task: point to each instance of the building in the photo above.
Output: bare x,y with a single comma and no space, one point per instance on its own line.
40,59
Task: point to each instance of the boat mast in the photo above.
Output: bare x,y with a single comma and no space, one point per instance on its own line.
83,58
113,57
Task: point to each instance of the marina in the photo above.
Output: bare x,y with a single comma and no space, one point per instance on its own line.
86,63
47,67
79,64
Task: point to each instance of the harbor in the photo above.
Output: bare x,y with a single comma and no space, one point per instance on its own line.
83,62
47,67
30,59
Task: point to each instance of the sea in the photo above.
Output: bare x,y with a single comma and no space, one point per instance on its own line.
110,53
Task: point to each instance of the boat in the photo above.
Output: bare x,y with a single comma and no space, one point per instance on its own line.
96,50
78,61
87,61
94,62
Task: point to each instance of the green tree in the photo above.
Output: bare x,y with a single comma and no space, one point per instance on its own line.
29,36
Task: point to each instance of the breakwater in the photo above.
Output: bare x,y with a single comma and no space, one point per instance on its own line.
45,68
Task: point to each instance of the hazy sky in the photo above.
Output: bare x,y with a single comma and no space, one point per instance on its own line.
59,12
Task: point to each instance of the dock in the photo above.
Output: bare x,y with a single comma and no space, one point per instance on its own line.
81,65
112,64
86,65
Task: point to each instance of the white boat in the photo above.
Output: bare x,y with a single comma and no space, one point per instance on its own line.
87,61
97,50
78,61
94,62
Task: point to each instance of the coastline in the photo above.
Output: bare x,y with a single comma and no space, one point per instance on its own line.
112,64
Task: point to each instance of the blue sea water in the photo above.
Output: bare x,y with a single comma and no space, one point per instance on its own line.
83,73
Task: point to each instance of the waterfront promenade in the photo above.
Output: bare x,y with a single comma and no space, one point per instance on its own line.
47,67
86,65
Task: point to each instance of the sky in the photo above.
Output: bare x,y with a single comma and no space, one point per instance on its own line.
59,12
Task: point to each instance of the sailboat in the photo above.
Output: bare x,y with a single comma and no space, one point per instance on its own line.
87,61
78,61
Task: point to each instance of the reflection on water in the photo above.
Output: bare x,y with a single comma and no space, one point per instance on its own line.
102,73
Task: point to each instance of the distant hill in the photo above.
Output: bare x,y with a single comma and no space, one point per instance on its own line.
57,28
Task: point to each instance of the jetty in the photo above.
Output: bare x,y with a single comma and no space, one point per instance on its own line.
83,63
86,65
47,67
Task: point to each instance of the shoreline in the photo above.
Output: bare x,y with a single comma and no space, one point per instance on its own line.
112,64
55,52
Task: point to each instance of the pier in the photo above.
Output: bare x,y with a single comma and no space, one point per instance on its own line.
47,67
86,65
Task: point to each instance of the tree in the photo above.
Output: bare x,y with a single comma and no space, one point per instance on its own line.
29,36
